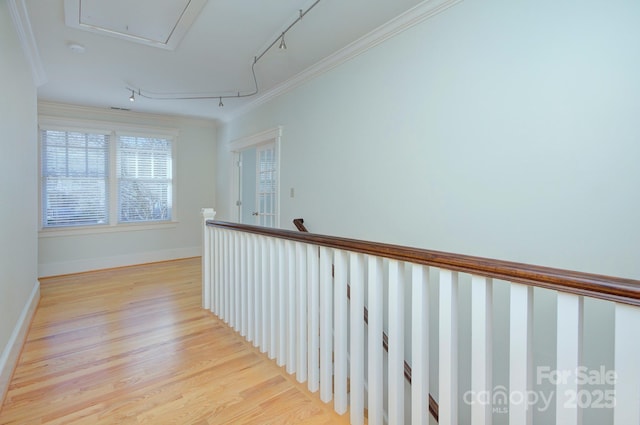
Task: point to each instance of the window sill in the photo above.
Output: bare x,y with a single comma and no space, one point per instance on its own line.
90,230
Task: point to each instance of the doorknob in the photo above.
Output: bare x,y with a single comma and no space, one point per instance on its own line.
255,213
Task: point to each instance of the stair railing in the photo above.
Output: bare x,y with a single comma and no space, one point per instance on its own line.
275,290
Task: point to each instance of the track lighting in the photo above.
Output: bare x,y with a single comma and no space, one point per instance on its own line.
172,96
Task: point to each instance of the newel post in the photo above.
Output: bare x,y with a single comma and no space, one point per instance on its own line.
207,257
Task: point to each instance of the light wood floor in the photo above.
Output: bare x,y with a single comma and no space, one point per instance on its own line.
132,345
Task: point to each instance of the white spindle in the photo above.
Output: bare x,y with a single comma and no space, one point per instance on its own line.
212,271
313,318
236,281
216,271
569,356
225,276
340,331
282,302
243,284
257,292
291,307
376,313
520,353
356,267
231,313
396,343
273,296
301,363
251,292
627,366
264,283
326,325
482,348
419,345
448,351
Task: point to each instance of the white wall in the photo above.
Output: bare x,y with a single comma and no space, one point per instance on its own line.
196,146
500,129
18,195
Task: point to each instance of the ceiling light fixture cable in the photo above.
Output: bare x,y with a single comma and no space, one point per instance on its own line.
168,96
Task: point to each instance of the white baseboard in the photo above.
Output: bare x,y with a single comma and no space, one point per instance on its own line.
11,353
79,266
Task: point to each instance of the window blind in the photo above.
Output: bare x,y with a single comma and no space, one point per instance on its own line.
144,167
74,178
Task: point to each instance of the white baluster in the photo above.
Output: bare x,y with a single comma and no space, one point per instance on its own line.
520,353
231,313
251,292
243,284
217,272
627,366
569,356
212,270
282,302
273,296
376,313
301,362
291,307
396,343
420,345
313,320
340,331
225,276
264,282
448,351
257,287
356,267
482,348
326,325
236,281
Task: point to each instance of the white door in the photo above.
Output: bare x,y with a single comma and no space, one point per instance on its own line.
266,185
247,177
256,184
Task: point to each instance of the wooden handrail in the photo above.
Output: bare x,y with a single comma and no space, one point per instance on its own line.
621,290
299,223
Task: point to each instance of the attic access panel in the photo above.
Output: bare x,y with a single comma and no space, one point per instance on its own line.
158,23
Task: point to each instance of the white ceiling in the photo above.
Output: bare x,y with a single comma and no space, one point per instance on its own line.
213,58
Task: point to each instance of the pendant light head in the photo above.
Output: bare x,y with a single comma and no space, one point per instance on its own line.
283,45
132,98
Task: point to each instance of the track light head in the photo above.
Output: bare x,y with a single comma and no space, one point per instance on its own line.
132,98
283,45
221,104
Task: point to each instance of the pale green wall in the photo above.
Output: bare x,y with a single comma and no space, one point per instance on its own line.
500,129
195,167
18,180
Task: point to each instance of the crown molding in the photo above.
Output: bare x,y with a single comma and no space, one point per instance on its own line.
20,18
401,23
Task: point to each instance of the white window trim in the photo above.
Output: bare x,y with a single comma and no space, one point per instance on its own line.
114,129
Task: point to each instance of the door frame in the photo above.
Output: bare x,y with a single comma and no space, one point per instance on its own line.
236,146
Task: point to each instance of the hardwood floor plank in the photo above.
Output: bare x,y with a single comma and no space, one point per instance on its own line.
133,346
